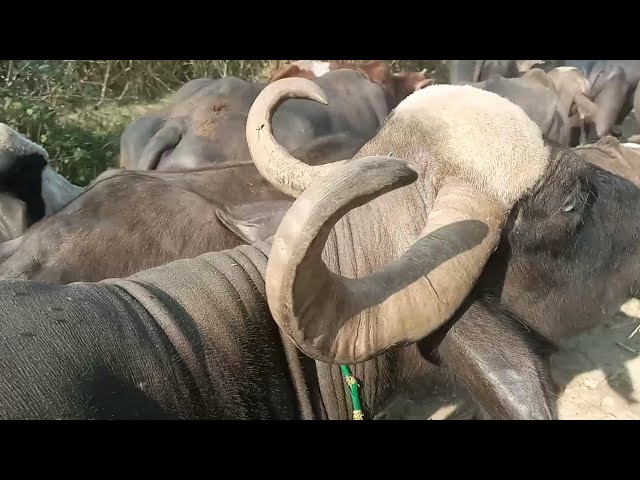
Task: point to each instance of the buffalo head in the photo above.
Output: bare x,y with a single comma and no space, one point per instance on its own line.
498,211
466,189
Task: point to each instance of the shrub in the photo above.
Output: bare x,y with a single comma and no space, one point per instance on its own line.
77,110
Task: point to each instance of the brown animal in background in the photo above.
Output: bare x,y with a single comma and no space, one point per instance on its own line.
308,69
397,86
609,153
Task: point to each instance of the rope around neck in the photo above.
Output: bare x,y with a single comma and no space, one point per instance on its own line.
355,395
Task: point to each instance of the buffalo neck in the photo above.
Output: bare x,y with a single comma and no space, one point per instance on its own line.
365,240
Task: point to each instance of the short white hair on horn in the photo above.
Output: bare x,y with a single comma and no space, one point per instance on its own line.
13,142
473,131
565,68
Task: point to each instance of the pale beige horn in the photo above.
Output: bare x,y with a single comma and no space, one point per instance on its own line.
342,320
275,164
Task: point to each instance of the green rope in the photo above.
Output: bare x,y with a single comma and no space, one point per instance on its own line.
353,387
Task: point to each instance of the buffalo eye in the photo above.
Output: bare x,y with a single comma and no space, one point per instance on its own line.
571,200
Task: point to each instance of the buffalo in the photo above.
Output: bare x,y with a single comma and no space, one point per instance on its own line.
30,189
535,93
156,217
467,71
612,84
206,118
457,236
609,153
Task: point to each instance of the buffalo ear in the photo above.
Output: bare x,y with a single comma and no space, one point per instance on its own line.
14,218
254,222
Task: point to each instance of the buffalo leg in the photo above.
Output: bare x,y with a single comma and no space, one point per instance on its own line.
610,102
583,132
497,361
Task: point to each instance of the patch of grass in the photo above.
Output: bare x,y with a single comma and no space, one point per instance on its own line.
87,141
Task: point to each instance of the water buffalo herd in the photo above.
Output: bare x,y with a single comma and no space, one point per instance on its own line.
260,239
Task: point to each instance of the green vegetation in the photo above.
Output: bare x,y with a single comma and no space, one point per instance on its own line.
78,109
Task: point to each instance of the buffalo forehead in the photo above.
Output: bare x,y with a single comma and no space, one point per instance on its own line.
480,131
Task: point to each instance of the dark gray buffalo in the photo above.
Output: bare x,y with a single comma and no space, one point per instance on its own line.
612,87
205,122
535,93
151,218
486,252
198,128
396,85
466,71
29,188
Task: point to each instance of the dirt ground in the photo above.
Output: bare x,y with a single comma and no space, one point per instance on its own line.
599,372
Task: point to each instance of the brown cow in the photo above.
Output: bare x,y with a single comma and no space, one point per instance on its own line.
397,86
467,71
127,221
308,69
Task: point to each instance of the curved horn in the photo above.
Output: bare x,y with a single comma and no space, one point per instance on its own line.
166,138
343,320
288,174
